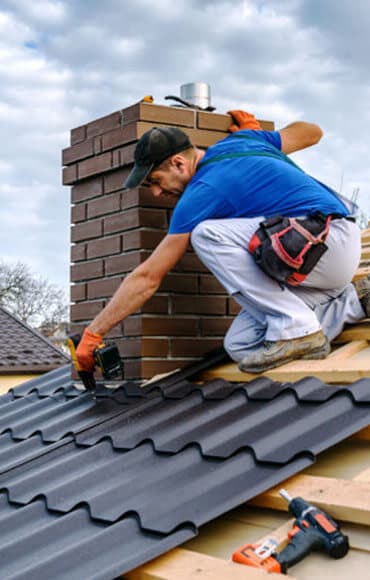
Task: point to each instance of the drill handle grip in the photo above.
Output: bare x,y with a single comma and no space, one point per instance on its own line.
301,544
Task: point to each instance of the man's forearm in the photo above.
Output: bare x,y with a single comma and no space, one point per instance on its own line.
133,292
299,135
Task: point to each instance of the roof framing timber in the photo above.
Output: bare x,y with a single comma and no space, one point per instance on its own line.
345,500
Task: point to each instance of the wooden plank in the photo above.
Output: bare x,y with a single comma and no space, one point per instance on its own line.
345,352
362,272
363,435
182,564
347,366
344,365
363,476
346,500
359,331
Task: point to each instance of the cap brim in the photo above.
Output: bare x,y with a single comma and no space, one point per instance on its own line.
137,175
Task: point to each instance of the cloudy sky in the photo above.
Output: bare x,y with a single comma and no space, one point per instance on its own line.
66,62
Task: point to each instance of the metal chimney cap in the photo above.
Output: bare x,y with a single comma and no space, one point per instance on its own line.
197,94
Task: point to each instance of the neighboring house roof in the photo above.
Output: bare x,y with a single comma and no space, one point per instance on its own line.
93,488
24,350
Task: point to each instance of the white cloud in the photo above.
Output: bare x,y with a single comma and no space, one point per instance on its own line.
67,62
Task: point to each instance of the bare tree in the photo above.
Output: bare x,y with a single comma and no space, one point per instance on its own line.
33,299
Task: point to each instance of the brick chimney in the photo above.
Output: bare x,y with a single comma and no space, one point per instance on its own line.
113,231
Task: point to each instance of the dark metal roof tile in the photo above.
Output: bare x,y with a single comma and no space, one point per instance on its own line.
145,483
39,545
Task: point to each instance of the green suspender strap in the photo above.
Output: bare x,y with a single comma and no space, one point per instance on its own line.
275,155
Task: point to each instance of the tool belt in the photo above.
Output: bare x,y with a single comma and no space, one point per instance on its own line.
287,249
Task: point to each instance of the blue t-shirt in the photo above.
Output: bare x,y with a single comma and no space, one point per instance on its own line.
262,184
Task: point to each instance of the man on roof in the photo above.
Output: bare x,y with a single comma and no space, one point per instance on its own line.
223,196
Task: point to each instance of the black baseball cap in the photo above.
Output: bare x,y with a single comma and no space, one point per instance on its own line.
153,147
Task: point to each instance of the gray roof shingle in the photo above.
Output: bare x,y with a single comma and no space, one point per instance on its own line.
23,350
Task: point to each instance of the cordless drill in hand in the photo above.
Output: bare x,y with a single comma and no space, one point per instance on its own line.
312,530
106,357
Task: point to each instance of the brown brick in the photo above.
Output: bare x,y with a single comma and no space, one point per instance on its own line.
77,152
104,247
218,122
193,346
190,263
233,307
78,134
103,205
144,197
85,311
127,154
115,333
76,328
87,271
198,304
210,285
145,239
124,263
215,326
155,305
159,114
161,326
120,136
214,121
69,175
87,230
133,218
78,213
87,189
78,292
104,124
95,165
133,326
180,283
78,252
129,347
116,159
104,288
132,369
137,347
157,347
97,145
114,180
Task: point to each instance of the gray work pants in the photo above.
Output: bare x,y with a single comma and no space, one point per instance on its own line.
326,299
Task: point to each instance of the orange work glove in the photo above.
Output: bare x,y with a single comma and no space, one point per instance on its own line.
85,350
243,120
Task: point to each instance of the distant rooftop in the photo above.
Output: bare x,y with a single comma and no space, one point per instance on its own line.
23,349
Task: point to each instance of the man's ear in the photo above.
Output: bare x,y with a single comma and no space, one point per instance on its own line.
179,161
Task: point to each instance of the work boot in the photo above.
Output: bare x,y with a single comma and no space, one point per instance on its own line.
362,287
273,354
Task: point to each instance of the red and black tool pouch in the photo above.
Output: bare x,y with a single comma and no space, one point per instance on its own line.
287,249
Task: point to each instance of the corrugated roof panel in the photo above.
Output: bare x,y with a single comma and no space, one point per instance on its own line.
114,484
166,459
57,380
275,429
15,453
38,545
